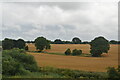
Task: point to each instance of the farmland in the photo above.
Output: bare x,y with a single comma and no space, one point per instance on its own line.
97,64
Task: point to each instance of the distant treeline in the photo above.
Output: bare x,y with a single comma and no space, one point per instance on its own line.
12,43
75,40
21,43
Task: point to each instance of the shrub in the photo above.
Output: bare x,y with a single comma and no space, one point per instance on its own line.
113,73
68,52
76,52
15,62
67,73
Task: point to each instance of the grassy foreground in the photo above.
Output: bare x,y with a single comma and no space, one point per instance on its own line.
50,72
18,64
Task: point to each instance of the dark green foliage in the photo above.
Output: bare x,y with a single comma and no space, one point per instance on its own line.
113,42
26,48
15,43
98,46
113,73
58,41
7,44
67,42
15,62
76,40
42,43
118,68
76,52
67,73
68,52
20,44
48,45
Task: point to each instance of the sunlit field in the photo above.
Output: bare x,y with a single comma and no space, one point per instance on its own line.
98,64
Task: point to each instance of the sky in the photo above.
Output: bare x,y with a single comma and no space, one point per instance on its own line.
60,20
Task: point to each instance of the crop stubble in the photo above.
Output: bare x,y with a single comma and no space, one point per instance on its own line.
98,64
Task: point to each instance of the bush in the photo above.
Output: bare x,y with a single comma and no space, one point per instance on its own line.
68,52
76,52
113,73
15,62
67,73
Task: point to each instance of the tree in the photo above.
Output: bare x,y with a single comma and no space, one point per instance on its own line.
15,43
76,52
20,44
113,42
48,44
85,42
41,43
58,41
76,40
98,46
7,44
68,52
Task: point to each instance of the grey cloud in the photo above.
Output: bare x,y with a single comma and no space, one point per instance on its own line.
52,27
63,5
59,20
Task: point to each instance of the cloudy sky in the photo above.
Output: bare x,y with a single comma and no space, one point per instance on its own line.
63,20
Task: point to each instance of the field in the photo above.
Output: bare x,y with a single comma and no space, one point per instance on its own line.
97,64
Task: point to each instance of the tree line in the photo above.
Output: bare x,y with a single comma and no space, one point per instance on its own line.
8,44
75,40
98,46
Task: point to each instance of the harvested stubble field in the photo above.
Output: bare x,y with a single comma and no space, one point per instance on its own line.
98,64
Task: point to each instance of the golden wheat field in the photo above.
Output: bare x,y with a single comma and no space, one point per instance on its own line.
98,64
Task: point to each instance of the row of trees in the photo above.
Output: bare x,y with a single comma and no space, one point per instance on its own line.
11,43
41,43
75,40
114,42
98,46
